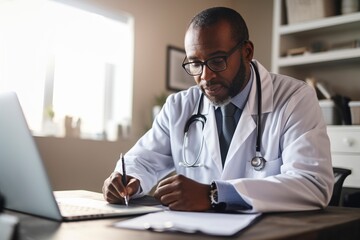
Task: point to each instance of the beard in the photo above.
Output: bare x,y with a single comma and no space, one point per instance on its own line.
234,88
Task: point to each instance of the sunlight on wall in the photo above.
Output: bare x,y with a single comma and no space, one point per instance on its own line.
67,61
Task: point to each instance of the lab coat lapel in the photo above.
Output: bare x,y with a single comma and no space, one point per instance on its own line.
245,127
247,123
211,136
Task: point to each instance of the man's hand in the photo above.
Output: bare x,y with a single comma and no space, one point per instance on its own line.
114,191
181,193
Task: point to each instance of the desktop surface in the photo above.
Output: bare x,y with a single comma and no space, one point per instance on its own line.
330,223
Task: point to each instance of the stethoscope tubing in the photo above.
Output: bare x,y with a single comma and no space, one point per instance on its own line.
195,117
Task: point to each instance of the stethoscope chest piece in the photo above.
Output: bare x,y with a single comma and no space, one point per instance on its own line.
258,163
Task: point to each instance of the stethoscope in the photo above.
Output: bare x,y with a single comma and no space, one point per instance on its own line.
257,162
197,117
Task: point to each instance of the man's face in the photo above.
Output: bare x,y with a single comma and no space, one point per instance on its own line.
216,41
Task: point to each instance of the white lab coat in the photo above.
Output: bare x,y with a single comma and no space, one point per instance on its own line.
298,172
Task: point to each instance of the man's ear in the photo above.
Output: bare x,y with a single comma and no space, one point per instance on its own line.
249,50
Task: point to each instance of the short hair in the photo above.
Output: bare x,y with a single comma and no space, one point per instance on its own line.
212,16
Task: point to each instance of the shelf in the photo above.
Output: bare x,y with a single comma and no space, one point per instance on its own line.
327,66
341,128
323,57
320,24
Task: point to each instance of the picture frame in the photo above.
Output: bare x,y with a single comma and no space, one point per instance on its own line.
176,77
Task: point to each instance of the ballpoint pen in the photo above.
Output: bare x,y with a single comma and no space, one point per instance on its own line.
123,178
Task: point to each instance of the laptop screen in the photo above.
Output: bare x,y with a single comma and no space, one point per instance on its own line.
23,179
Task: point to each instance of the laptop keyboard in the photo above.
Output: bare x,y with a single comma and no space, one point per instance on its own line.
76,210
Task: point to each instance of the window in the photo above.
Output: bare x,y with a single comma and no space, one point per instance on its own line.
67,63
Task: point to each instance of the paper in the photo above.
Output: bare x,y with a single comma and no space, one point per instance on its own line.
219,224
8,226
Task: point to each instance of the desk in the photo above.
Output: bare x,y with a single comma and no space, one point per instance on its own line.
331,223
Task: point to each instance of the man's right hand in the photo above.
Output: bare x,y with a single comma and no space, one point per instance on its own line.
114,191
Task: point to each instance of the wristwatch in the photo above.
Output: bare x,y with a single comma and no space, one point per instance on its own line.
213,194
215,204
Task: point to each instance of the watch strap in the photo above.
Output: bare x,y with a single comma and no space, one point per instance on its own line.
214,199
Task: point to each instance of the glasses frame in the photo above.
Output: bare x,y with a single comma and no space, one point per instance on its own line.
205,63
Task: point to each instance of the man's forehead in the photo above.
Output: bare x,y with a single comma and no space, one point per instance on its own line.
208,40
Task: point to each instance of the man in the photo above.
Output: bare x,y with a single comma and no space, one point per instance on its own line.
293,171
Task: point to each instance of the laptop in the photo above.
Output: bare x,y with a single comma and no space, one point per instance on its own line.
25,184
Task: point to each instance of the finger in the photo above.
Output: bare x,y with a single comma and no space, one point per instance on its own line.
116,200
117,185
166,185
161,191
110,194
176,206
132,186
167,181
165,188
170,198
113,191
113,188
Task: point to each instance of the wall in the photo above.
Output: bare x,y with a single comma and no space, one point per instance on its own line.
84,164
258,16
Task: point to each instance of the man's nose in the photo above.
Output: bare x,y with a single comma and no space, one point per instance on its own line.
207,74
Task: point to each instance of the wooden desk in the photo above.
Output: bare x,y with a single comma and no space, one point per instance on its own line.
331,223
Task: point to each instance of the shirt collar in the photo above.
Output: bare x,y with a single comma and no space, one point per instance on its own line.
241,98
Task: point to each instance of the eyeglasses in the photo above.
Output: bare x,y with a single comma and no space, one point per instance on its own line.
215,64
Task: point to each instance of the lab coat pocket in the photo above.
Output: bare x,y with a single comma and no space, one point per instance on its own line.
272,167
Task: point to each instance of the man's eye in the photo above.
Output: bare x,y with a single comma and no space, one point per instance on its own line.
216,61
195,64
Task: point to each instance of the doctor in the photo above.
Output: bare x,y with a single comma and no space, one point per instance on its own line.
278,120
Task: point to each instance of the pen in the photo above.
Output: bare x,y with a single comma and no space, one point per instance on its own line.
123,178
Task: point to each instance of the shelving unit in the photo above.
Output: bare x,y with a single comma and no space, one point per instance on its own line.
339,69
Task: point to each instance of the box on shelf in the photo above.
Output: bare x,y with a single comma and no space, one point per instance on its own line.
305,10
355,112
330,113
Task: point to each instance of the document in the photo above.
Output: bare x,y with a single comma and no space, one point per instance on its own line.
8,226
218,224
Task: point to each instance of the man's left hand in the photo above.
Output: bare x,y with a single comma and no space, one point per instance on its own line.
183,194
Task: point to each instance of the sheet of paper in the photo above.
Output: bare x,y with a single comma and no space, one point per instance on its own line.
219,224
8,225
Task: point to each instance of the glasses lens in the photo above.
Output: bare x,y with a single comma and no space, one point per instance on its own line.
193,68
217,64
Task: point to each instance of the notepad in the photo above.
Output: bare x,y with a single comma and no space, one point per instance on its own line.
217,224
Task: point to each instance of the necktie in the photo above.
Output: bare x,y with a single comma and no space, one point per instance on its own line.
228,128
